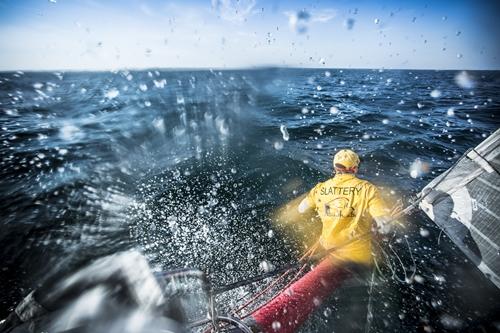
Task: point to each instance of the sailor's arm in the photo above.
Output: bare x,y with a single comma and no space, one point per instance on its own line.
304,205
379,211
309,201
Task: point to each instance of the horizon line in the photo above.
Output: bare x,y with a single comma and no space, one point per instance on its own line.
261,67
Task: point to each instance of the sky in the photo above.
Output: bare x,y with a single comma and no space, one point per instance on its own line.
110,35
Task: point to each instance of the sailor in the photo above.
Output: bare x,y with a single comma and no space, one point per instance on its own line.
346,206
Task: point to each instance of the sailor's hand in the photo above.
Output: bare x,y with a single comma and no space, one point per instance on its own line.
383,225
384,229
397,209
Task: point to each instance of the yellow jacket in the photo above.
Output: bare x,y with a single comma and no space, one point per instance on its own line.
346,206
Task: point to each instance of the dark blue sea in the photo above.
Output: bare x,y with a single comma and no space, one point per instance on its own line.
189,166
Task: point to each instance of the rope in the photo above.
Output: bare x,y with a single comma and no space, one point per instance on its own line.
295,277
263,276
279,279
369,313
308,257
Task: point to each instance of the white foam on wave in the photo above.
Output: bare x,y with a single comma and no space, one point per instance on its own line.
111,93
69,132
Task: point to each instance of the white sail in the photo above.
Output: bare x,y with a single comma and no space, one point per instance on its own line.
465,202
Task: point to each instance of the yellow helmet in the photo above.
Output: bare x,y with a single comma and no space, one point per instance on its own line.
346,158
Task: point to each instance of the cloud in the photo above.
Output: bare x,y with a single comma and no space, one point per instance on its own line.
234,10
323,15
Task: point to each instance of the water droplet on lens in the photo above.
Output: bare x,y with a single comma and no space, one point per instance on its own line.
435,93
334,110
284,132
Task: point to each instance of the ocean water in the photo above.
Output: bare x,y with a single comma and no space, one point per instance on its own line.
188,166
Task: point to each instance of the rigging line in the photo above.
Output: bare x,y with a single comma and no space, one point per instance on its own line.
278,279
469,179
439,237
391,265
307,255
369,313
379,271
262,292
414,263
244,296
275,282
387,261
266,275
308,252
283,270
402,265
442,177
301,270
483,159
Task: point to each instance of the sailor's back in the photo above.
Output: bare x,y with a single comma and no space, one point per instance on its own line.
346,205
